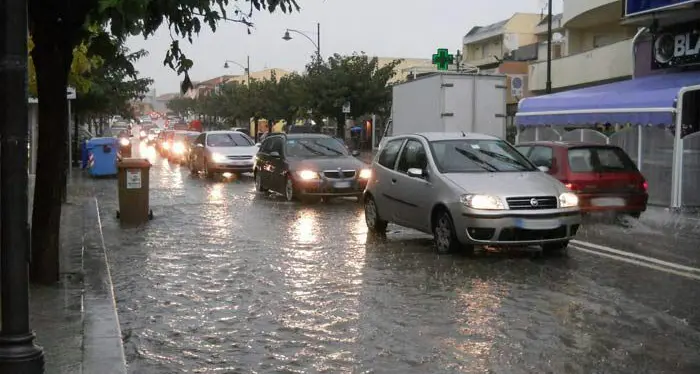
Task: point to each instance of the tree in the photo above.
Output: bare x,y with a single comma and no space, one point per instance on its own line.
81,67
181,105
57,28
357,79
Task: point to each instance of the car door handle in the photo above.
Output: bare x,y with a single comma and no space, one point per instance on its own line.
393,180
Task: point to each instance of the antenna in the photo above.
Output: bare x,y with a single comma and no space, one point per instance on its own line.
464,135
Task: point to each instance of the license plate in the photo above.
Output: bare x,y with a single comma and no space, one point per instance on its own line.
537,224
608,201
240,162
341,185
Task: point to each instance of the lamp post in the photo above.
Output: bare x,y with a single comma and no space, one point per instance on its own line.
246,68
18,353
316,43
549,47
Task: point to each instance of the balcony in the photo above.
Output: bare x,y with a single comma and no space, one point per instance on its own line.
482,61
607,63
588,13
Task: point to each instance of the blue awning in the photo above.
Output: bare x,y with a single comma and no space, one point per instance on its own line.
646,100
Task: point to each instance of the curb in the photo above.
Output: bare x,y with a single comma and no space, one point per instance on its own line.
103,350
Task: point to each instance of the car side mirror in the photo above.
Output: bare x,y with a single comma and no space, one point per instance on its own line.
258,144
415,173
543,169
275,154
200,145
355,153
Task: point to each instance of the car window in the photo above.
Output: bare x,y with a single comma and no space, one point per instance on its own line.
231,139
315,147
524,149
478,155
266,146
412,156
390,153
276,144
542,156
599,160
200,139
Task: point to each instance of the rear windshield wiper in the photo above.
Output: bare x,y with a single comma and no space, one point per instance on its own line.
487,166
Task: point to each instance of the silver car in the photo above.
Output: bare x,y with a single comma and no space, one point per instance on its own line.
468,190
222,152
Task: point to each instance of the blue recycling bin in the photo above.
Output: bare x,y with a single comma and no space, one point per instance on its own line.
102,156
84,154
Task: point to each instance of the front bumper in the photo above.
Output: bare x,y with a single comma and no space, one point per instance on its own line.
504,228
231,167
331,187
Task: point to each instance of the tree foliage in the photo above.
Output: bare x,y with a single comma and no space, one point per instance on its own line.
322,90
80,70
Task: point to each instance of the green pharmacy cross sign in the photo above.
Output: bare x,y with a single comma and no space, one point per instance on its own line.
443,59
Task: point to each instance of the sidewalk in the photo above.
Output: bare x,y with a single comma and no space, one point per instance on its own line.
76,320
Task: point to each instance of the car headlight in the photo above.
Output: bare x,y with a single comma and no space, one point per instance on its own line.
143,133
484,202
365,173
166,145
568,200
307,175
151,136
178,148
124,141
217,157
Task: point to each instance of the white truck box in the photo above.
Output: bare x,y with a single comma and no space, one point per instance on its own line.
450,102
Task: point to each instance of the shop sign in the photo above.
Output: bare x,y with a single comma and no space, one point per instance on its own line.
676,46
638,7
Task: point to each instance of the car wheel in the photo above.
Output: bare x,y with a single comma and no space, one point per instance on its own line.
555,248
444,233
289,190
374,223
259,183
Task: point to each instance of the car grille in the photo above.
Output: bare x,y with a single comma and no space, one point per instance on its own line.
526,202
239,157
335,174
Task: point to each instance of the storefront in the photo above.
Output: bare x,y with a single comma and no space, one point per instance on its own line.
655,117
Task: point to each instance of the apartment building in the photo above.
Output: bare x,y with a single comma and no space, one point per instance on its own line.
590,47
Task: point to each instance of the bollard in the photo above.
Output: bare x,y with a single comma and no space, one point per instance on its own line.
133,191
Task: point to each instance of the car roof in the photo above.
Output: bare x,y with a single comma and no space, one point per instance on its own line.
438,136
301,135
567,144
221,132
186,132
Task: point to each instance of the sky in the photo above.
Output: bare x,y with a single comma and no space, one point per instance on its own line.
384,28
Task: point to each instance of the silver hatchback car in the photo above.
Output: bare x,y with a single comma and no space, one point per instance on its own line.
467,190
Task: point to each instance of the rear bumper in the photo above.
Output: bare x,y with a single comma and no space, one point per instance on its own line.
589,203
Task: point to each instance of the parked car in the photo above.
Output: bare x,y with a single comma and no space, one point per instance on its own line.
602,175
217,152
308,166
181,148
468,190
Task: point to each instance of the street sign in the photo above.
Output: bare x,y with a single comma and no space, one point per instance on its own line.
346,107
443,59
70,93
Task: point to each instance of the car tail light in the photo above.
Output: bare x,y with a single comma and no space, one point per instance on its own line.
571,186
645,185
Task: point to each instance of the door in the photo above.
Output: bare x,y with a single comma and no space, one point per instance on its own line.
413,194
263,162
276,165
383,178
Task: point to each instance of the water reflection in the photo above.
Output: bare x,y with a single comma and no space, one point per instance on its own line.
216,192
304,228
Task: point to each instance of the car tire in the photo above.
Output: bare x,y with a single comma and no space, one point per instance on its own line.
193,169
444,233
290,193
375,224
259,183
555,248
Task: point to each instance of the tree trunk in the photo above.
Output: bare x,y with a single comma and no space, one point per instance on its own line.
52,58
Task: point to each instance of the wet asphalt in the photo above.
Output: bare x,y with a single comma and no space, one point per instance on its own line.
226,280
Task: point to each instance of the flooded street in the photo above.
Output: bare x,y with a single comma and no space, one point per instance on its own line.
226,280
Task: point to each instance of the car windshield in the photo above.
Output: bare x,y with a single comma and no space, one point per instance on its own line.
478,155
315,147
228,140
599,160
192,137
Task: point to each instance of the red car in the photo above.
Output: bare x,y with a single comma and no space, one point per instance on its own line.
603,176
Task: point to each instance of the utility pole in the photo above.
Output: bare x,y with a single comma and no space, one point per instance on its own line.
549,47
18,353
318,41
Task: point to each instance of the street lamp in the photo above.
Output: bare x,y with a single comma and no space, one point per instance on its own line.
317,43
246,68
548,87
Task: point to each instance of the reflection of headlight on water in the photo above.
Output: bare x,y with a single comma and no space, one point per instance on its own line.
124,141
216,157
178,148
